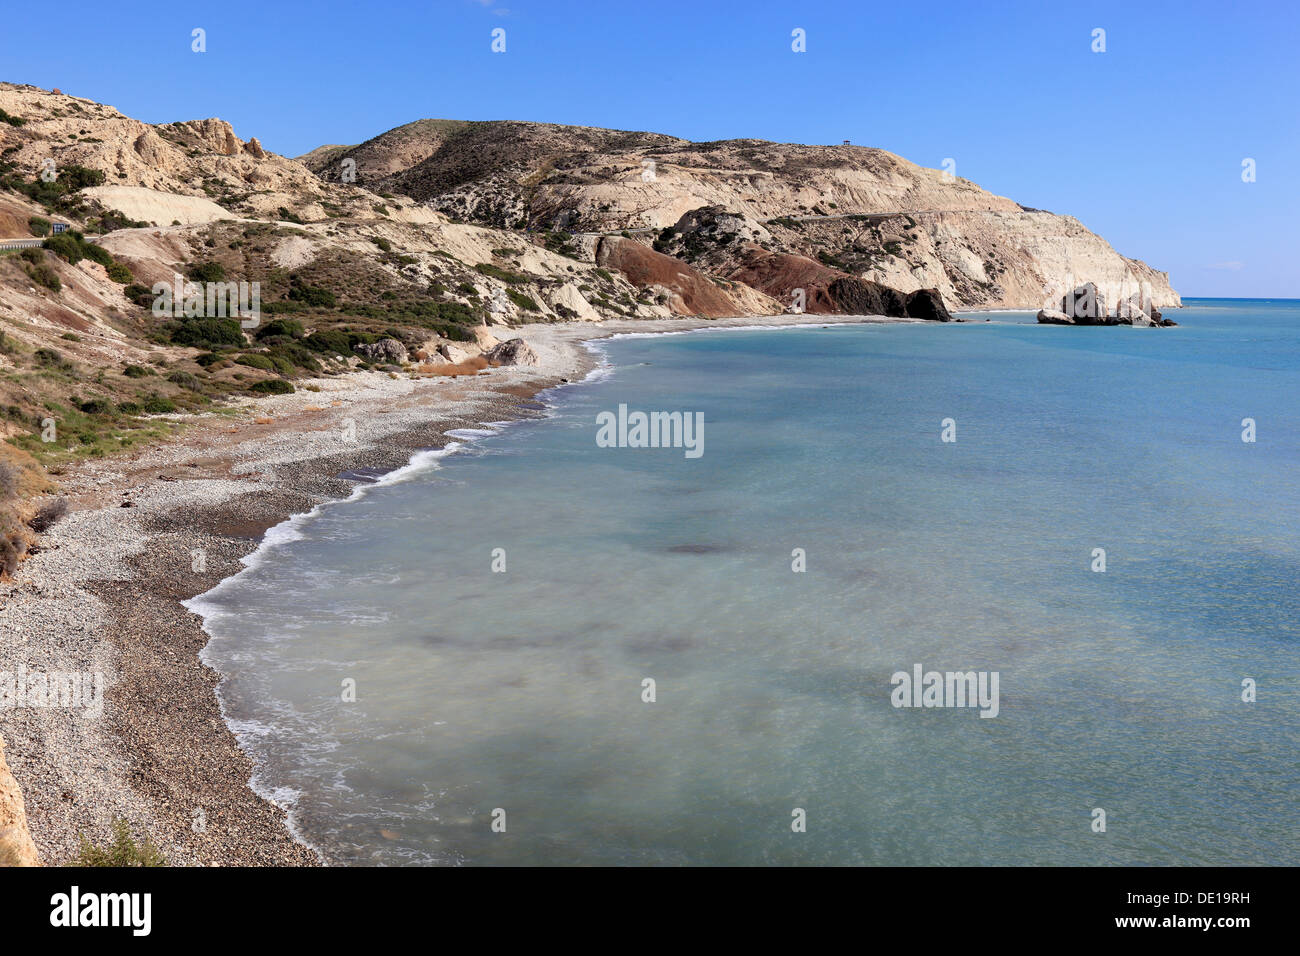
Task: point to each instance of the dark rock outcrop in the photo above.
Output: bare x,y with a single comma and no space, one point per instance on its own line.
927,304
828,291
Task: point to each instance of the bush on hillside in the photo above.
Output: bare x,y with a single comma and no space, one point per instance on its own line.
207,333
288,327
207,272
272,386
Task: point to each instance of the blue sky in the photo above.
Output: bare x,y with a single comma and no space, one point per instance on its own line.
1144,143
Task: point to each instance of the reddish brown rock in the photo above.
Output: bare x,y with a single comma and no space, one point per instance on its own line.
691,292
828,291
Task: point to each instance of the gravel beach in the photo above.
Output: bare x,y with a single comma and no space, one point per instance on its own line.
103,593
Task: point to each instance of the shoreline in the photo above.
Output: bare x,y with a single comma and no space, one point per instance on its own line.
108,588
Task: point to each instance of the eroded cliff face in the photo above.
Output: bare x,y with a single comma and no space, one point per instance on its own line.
16,847
863,211
978,259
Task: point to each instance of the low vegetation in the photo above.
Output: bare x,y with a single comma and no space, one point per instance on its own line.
123,851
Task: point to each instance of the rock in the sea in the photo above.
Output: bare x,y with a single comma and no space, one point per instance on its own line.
1138,306
927,304
1087,306
1053,317
385,350
512,352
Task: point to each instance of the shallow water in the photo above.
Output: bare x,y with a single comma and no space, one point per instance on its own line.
522,690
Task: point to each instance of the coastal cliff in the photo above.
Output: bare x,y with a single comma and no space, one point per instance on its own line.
865,211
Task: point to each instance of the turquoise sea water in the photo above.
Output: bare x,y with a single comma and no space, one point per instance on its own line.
522,691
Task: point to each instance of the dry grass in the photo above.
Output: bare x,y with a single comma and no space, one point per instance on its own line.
21,478
471,366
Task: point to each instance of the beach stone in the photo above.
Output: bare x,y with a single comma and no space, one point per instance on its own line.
456,353
1053,317
512,352
386,350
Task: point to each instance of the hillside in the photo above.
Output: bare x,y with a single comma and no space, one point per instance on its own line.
349,281
863,211
418,251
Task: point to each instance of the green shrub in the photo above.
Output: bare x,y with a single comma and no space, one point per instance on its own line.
290,327
79,177
207,332
272,386
123,851
207,272
383,244
97,406
139,294
329,342
43,275
11,120
208,358
257,360
290,356
120,273
73,247
38,226
135,371
523,301
185,380
312,296
155,404
496,272
49,357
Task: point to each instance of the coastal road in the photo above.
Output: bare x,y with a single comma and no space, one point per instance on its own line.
8,244
893,214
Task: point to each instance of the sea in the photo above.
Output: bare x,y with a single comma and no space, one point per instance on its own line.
548,645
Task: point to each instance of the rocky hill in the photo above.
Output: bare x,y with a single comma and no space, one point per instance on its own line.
862,211
416,253
348,279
